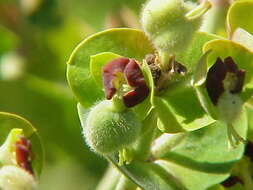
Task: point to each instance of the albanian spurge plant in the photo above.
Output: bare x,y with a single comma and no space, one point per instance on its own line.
21,154
169,107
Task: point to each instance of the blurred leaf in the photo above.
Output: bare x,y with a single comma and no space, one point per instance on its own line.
126,42
240,15
203,159
8,40
71,31
46,15
10,121
242,57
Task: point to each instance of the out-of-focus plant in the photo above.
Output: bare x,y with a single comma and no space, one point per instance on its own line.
21,154
170,106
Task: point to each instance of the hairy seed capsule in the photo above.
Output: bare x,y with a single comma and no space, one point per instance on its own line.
167,24
107,131
15,178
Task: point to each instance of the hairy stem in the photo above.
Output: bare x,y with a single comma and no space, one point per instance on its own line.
110,179
143,145
164,143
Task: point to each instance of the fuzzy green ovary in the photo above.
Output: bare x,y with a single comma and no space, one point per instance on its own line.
229,107
164,21
108,131
15,178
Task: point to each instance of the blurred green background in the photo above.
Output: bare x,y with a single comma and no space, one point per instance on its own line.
36,39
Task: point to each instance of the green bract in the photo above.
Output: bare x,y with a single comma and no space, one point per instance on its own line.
107,130
174,115
240,16
129,43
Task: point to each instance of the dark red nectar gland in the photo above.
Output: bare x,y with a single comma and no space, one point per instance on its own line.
23,154
129,71
224,76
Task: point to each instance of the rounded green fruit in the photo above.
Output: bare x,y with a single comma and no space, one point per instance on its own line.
107,130
170,24
15,178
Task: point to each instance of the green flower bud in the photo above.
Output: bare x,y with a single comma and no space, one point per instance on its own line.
171,24
108,130
15,178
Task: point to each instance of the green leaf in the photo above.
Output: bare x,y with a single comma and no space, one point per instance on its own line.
241,55
240,16
244,38
126,42
203,159
175,108
192,55
148,176
10,121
